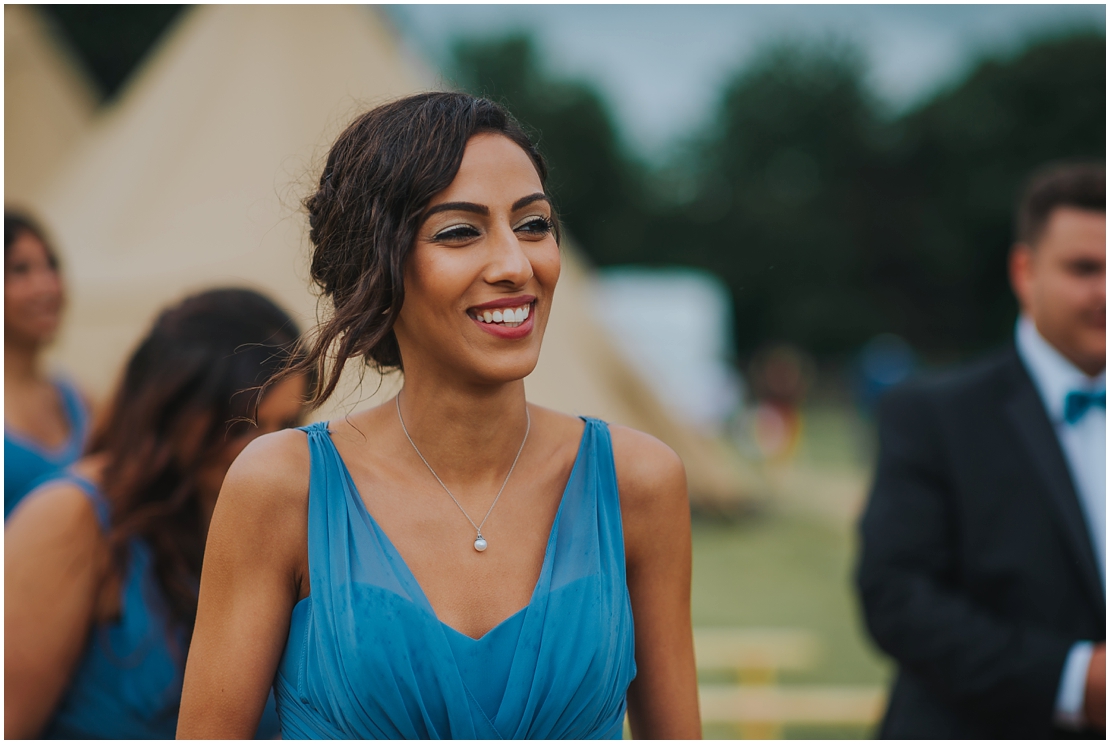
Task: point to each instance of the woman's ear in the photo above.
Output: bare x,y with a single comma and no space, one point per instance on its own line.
1022,265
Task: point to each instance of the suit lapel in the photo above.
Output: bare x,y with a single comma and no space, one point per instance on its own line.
1026,412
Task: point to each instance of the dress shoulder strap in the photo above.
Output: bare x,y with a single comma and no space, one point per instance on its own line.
96,496
321,451
590,532
75,408
319,427
100,503
600,442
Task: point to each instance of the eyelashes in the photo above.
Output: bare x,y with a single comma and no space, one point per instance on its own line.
533,227
456,233
537,226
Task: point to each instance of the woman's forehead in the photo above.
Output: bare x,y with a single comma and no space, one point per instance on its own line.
26,246
493,169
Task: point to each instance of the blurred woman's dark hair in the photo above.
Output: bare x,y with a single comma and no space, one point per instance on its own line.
1081,185
380,175
192,384
16,223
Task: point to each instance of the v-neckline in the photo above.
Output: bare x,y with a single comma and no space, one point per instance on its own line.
547,554
54,454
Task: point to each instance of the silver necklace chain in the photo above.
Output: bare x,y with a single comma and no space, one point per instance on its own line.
479,542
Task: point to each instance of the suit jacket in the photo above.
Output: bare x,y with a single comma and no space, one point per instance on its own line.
976,570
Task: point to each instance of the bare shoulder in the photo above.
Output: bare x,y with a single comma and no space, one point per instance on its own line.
271,473
650,476
654,506
562,426
260,523
57,521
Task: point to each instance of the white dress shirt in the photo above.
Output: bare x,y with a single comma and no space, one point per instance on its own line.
1084,446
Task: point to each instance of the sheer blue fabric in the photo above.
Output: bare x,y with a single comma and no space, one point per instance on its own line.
127,684
367,658
27,463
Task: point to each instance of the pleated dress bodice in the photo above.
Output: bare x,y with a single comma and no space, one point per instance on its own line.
367,657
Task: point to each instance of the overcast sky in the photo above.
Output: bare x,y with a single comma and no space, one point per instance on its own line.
662,66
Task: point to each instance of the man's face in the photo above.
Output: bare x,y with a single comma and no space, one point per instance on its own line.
1060,282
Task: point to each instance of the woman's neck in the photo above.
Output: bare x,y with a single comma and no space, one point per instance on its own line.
21,363
466,434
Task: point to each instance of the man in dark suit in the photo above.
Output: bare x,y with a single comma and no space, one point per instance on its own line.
982,566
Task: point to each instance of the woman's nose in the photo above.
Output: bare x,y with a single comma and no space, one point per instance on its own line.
508,263
46,279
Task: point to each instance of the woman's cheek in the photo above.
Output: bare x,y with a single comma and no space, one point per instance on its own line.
547,266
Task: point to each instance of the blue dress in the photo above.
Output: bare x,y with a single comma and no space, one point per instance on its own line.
367,658
127,684
26,462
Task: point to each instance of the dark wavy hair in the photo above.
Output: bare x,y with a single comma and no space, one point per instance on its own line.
16,223
379,177
199,368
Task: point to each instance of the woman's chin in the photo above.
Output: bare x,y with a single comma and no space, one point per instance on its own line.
39,334
507,370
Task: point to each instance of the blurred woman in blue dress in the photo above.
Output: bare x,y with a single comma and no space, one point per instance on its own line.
102,563
45,418
455,562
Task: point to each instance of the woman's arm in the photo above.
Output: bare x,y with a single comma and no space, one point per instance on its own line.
55,562
663,699
255,564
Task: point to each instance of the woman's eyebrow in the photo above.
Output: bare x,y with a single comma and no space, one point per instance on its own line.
525,201
458,207
481,208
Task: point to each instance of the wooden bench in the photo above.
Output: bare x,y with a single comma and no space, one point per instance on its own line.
799,704
756,655
758,705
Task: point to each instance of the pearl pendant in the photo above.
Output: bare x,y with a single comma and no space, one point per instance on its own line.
480,544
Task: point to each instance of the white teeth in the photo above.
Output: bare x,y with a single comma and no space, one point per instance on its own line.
510,317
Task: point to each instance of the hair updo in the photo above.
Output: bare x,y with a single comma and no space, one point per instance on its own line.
380,175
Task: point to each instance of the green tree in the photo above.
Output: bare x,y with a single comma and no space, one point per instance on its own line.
961,163
832,224
783,179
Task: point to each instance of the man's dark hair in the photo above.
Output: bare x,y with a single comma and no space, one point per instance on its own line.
1078,185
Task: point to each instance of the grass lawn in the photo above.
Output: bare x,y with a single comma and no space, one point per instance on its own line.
791,566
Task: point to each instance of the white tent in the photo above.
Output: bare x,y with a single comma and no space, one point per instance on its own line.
194,180
581,371
48,102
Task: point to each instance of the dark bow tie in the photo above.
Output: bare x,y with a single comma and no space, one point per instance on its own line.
1078,402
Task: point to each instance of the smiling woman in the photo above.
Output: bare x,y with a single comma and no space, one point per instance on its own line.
454,563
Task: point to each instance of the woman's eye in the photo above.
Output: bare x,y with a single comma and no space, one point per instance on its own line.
458,232
537,226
